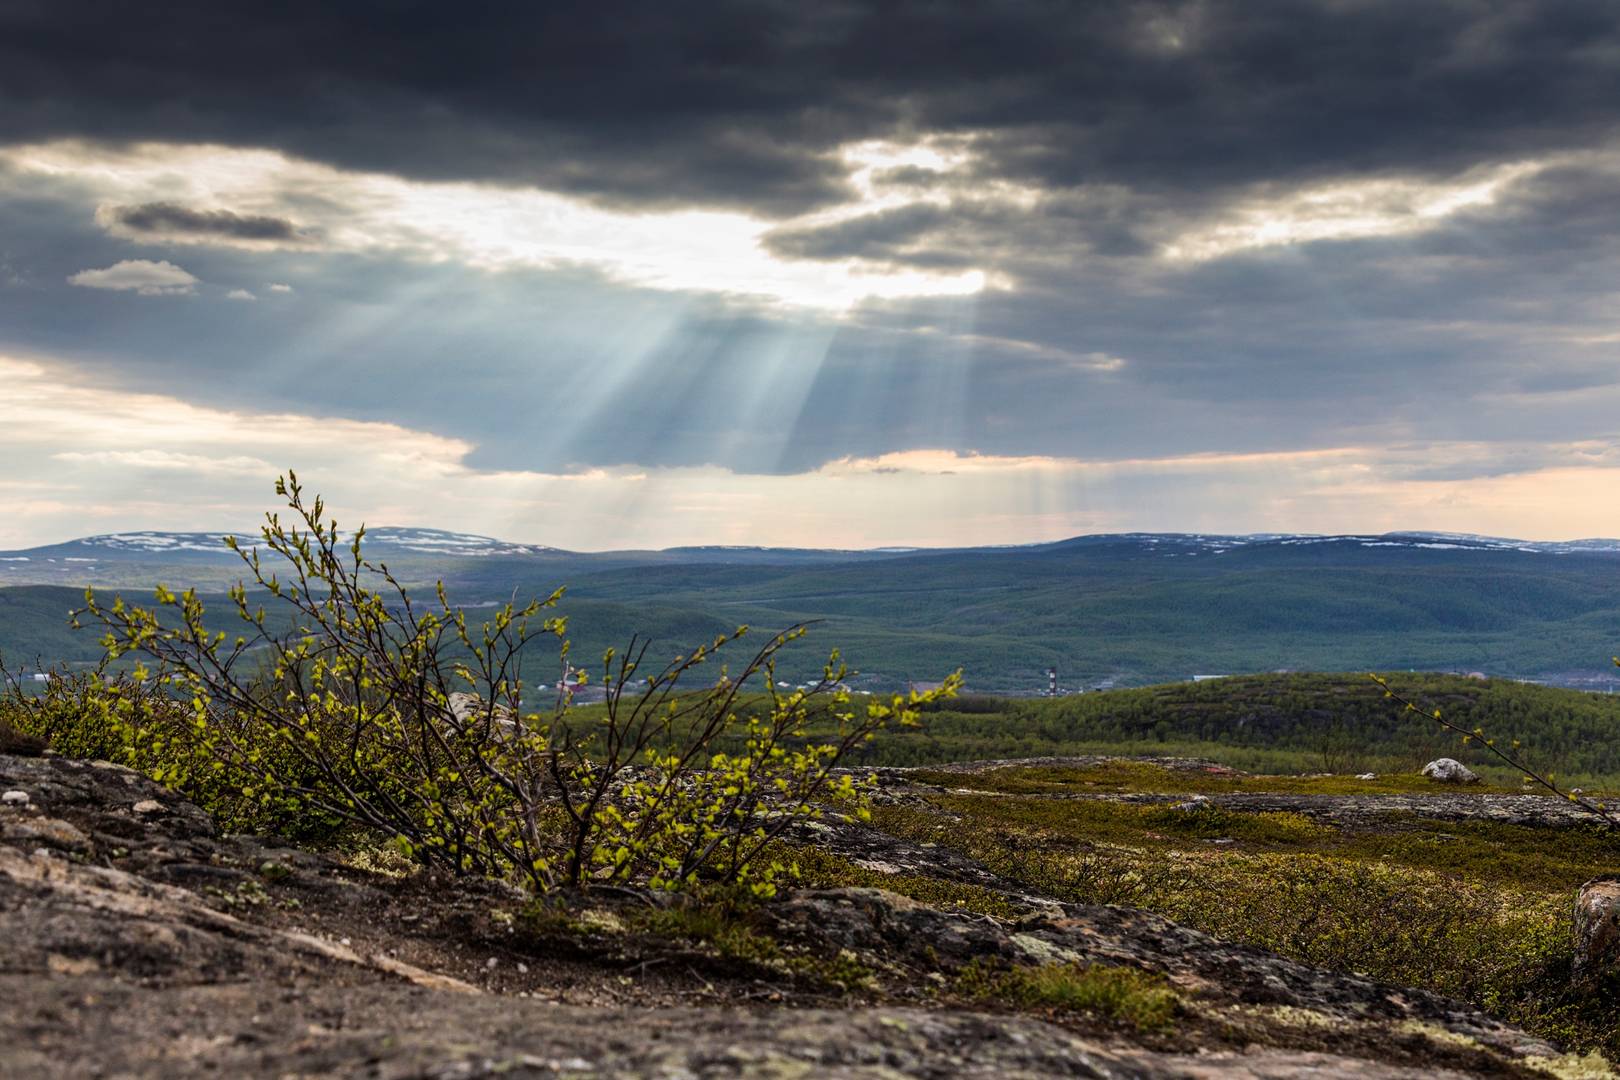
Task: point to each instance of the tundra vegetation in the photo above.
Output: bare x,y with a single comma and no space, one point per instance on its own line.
402,732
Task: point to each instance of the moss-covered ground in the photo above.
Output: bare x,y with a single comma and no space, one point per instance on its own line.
1476,910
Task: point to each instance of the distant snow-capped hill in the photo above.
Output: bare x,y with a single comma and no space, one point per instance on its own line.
431,547
1186,544
1448,541
440,542
149,545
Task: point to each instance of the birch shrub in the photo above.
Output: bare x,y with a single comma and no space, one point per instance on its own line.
348,699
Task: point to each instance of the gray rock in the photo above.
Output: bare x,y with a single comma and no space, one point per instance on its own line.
1597,927
1450,771
467,708
15,798
149,925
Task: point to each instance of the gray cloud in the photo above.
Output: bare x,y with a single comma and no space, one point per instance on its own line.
157,220
882,235
1323,345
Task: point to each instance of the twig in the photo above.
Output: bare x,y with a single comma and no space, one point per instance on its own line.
1595,808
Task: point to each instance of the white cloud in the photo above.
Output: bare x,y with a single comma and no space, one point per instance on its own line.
278,287
240,294
499,227
168,459
142,460
140,276
1099,361
1346,211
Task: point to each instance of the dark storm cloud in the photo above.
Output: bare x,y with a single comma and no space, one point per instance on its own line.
741,103
161,219
1100,134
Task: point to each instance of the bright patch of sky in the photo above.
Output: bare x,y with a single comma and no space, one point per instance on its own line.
1345,211
128,449
492,227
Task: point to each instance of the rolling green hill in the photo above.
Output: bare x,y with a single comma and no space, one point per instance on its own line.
1109,611
1290,723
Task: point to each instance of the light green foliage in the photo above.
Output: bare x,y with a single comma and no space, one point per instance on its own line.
103,715
75,713
342,707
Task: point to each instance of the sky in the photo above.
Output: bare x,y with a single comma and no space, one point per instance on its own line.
835,275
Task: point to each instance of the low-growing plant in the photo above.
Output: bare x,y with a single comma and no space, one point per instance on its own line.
72,713
1118,994
368,707
112,716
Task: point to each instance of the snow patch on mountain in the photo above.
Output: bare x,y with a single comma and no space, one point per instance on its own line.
439,542
423,541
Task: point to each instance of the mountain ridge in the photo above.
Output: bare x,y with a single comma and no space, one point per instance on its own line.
434,541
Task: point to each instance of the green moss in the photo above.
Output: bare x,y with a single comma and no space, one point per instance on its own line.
820,869
1479,911
1116,994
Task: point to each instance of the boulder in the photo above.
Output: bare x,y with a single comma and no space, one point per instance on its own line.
1597,927
467,708
1450,771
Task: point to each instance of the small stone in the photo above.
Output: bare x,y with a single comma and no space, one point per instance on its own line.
1367,776
49,831
148,806
523,969
71,965
1597,927
491,963
1197,802
15,798
1450,771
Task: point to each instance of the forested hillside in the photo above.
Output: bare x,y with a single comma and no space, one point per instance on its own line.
1104,611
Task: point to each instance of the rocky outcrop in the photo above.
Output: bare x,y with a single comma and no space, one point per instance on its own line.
142,942
869,922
